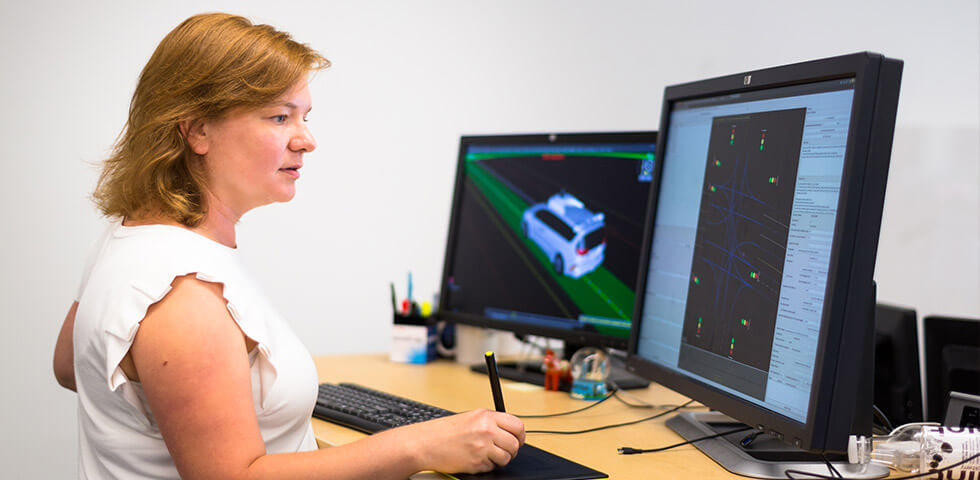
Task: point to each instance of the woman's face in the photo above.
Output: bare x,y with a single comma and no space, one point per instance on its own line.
253,156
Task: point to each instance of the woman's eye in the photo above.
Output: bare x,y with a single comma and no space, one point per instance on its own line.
279,118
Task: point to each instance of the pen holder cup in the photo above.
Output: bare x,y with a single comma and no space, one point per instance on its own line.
413,339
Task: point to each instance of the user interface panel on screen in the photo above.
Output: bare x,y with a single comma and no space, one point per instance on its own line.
742,240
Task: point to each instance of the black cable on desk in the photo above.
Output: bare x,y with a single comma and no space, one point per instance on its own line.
614,393
633,451
650,406
830,466
606,427
603,399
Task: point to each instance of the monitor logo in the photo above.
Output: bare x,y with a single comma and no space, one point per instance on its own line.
747,80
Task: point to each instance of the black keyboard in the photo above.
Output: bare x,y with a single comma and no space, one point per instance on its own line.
369,410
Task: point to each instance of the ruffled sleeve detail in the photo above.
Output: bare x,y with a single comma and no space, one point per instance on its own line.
130,309
121,333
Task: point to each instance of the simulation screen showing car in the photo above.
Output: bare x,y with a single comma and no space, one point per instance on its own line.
546,230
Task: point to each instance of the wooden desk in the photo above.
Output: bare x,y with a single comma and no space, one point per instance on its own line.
454,387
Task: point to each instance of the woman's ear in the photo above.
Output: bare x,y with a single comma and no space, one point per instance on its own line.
195,132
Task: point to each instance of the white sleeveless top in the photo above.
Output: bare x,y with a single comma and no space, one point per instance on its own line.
131,268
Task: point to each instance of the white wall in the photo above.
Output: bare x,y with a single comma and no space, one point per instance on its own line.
409,78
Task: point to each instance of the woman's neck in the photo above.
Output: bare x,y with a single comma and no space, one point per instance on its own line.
219,221
218,228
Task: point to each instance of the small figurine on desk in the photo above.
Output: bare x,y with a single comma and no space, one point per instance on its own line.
552,370
555,371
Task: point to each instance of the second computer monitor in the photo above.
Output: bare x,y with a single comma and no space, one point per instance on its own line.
757,294
545,233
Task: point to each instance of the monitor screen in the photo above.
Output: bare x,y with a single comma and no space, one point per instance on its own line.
764,223
545,234
741,247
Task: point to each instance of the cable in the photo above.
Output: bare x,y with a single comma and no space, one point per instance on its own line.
789,473
614,393
606,427
643,404
748,439
633,451
830,466
640,403
882,418
603,399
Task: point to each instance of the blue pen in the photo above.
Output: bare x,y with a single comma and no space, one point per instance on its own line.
409,287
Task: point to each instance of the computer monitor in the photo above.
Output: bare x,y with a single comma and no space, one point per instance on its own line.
757,296
898,390
952,359
545,233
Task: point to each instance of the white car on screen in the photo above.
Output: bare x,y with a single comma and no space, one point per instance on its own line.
572,236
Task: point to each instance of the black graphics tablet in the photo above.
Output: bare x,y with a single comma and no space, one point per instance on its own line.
532,463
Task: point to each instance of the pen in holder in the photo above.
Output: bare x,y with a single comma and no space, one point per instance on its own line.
413,338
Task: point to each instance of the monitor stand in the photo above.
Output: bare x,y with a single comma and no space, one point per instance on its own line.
530,372
766,457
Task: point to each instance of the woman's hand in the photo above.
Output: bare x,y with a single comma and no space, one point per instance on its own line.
471,442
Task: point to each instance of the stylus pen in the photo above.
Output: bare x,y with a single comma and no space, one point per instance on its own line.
394,302
498,396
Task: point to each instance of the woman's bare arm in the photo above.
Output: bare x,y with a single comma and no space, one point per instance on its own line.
193,364
64,351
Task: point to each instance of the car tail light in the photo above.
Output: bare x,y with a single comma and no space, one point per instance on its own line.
580,249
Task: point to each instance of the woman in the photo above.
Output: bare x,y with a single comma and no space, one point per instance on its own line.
182,368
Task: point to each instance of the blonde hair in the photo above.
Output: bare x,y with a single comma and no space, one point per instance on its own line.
208,65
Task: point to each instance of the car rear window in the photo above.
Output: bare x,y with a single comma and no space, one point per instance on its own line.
556,224
595,238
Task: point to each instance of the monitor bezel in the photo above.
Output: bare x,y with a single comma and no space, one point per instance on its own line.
579,338
849,278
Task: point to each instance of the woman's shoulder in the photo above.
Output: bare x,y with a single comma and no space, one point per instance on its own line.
141,265
167,236
150,257
170,245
